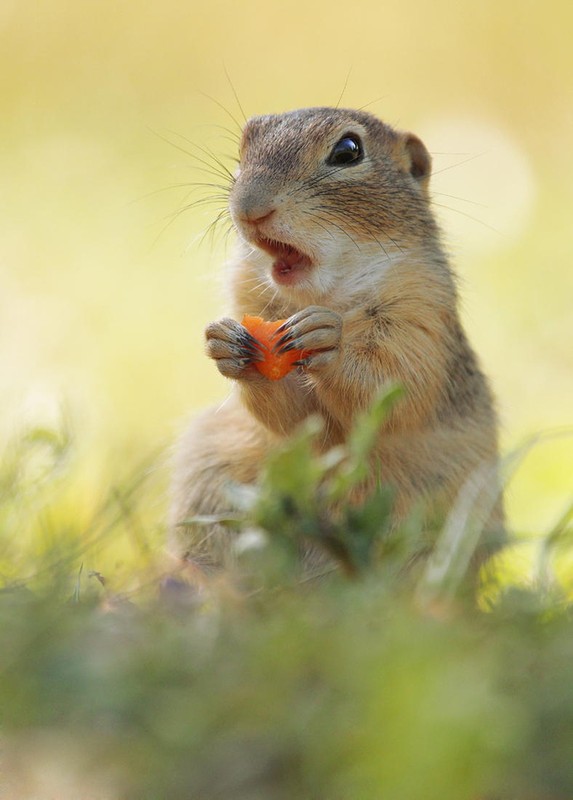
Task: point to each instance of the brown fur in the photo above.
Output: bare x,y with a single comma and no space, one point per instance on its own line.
379,303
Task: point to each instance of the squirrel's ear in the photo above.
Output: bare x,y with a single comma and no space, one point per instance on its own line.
414,158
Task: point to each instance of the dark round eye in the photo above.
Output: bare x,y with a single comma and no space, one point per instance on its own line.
347,150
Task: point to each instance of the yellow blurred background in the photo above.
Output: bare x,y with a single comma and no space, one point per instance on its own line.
105,288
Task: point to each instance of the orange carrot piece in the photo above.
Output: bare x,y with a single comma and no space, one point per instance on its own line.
273,366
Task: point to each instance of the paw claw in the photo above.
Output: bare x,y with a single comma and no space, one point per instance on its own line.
293,344
283,340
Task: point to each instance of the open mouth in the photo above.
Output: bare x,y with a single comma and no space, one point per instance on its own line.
289,264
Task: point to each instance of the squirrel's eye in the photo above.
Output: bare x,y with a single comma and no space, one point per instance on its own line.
347,150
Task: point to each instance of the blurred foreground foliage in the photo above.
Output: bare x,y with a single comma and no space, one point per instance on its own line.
376,681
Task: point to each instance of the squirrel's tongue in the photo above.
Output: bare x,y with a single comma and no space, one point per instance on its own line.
289,263
289,266
288,258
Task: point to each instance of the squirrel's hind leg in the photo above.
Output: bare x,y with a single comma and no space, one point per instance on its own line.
223,446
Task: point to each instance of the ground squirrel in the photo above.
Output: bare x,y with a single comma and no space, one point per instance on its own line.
337,234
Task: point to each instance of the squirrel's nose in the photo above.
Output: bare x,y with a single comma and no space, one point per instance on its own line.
253,204
256,214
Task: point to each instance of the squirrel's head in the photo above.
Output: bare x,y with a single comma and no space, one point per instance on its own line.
326,197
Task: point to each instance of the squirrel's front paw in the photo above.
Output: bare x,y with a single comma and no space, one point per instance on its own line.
317,331
232,348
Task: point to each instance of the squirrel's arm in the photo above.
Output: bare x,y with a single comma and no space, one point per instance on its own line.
402,338
279,405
